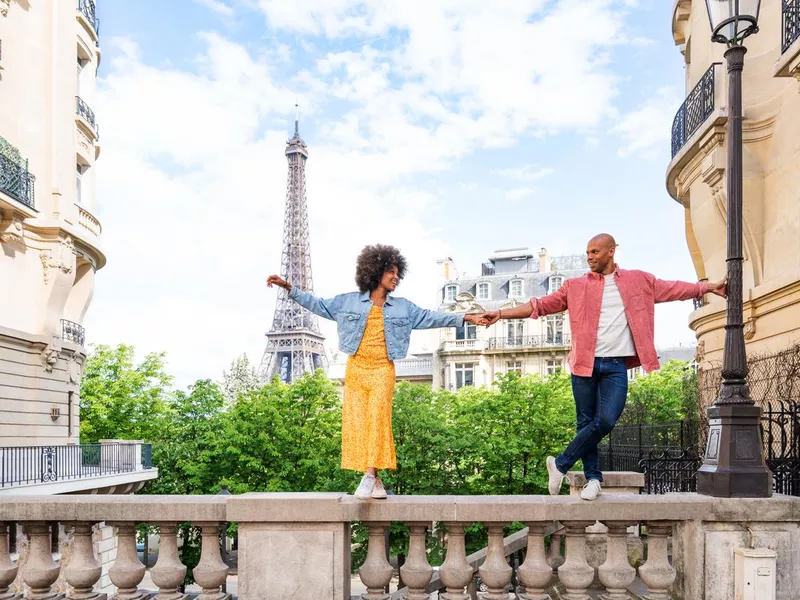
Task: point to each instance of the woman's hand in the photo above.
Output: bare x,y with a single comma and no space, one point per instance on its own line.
276,280
476,319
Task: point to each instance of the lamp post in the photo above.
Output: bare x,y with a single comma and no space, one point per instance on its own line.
733,465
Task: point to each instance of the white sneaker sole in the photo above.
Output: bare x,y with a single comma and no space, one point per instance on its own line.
378,495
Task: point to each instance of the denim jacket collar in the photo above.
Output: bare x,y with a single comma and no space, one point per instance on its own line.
364,297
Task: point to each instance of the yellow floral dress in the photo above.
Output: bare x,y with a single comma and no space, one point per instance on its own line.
367,439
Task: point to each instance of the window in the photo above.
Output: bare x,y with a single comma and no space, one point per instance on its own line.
468,331
515,289
514,367
464,374
553,366
450,292
483,291
514,332
80,172
556,281
555,329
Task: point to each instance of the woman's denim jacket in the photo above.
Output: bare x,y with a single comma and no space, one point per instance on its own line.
350,312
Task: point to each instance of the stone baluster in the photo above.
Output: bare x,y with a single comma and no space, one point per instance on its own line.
168,573
615,573
495,570
554,556
8,570
455,572
417,572
657,574
535,573
576,574
128,571
210,573
84,570
376,572
40,572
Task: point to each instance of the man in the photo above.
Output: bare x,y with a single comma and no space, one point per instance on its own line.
611,318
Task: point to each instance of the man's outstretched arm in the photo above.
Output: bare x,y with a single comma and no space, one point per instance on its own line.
668,291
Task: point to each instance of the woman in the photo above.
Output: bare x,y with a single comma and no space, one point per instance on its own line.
374,330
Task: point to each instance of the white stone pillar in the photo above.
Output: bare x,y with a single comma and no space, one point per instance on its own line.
615,573
211,573
417,572
40,572
376,572
127,571
8,570
84,570
495,571
455,572
576,574
168,573
657,574
535,573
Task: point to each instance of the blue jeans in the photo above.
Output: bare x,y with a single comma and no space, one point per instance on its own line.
599,401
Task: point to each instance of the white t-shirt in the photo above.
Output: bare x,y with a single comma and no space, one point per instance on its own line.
613,334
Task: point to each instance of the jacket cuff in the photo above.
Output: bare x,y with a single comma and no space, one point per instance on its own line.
701,290
293,292
461,318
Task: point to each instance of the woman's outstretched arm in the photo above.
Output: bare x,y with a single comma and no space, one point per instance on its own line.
325,308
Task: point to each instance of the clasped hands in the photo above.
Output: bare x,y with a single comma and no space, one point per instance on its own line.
485,319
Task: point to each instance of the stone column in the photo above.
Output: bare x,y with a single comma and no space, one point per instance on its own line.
535,573
495,570
127,571
40,572
84,570
417,572
455,572
615,573
575,573
554,557
210,573
376,572
8,570
168,572
657,574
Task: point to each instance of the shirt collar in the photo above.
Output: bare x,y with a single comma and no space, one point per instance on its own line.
617,272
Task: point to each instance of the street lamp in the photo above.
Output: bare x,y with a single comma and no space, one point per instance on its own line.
733,465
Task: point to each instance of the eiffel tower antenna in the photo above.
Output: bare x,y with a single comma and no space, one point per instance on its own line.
294,343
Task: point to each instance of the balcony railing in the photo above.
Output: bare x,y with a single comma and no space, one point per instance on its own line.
29,465
82,110
16,181
530,341
791,23
698,106
414,366
473,345
298,545
73,332
88,9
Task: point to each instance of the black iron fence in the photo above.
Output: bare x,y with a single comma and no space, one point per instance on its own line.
89,10
791,23
82,110
27,465
73,332
670,454
697,107
530,341
16,181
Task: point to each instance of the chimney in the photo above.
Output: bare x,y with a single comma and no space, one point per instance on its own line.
448,271
545,264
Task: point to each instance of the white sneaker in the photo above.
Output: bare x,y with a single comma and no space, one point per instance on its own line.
379,492
555,477
364,490
591,490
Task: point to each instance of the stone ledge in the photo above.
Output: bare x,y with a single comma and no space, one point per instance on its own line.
611,479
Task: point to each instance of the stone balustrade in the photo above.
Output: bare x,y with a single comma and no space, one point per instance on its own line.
298,545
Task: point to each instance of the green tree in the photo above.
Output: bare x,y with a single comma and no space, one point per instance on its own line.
120,399
662,396
240,379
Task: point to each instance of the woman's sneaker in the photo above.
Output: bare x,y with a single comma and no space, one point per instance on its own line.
379,492
366,486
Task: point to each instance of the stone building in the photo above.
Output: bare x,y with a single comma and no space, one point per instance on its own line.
476,355
696,175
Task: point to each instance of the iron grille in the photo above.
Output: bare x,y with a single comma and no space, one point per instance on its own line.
82,110
697,107
88,9
791,23
72,332
16,181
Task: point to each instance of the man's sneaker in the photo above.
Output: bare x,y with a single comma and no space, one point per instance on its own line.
364,490
591,490
379,492
555,477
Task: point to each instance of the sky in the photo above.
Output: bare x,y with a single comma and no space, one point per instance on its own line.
449,128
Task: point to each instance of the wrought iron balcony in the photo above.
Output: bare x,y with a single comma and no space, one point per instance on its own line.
31,465
89,10
560,340
72,332
16,181
699,303
87,114
791,23
698,106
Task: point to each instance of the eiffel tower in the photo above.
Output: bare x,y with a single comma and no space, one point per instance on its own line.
294,344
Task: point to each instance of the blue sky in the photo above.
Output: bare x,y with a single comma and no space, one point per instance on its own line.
448,128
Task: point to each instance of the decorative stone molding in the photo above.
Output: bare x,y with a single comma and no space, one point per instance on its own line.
12,231
4,4
749,329
74,370
63,259
700,351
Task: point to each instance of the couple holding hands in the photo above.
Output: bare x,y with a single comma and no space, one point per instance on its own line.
611,321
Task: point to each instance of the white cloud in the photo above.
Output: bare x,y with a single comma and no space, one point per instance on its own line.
519,193
217,6
646,130
524,173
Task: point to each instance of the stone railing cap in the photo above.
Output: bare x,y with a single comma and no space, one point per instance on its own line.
611,479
